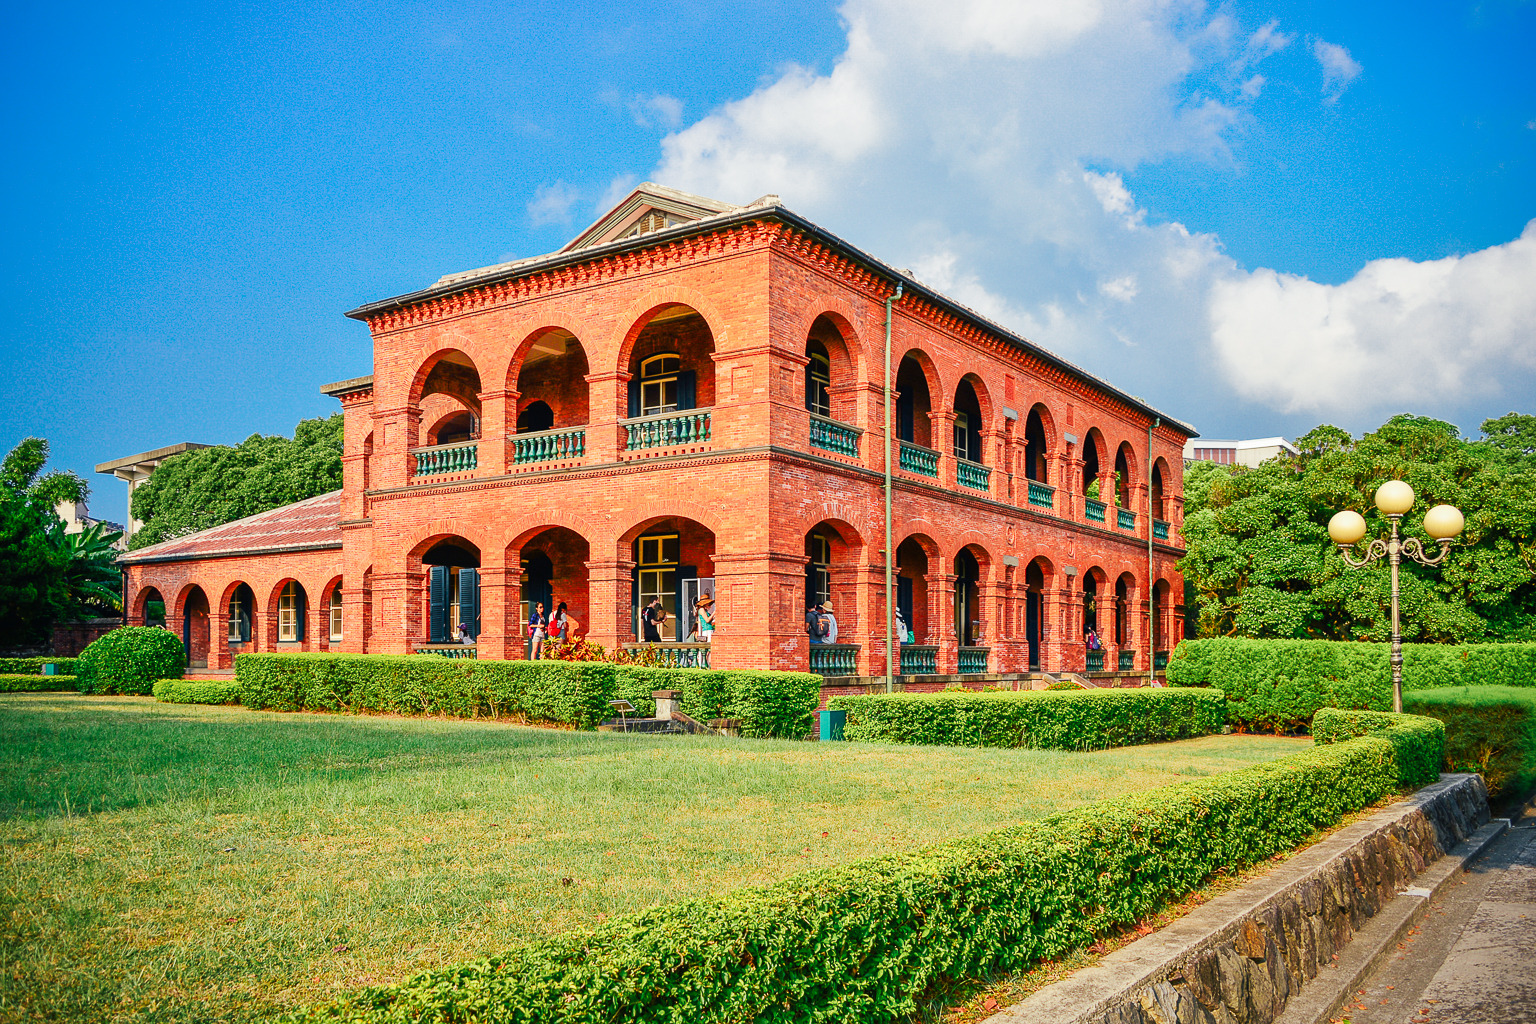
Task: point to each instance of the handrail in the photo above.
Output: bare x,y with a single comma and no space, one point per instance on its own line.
1041,494
470,651
459,457
917,459
548,445
1093,510
835,436
1125,519
834,659
973,660
919,659
1159,529
675,655
972,474
663,430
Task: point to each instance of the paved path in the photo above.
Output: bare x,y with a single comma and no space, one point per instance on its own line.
1473,958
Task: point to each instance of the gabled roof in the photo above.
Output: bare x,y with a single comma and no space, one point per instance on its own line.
674,207
309,525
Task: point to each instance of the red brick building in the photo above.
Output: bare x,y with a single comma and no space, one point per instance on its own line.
689,395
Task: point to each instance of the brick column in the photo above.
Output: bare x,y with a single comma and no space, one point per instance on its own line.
397,597
944,443
608,597
497,640
870,580
498,420
1062,469
941,619
608,402
991,599
994,453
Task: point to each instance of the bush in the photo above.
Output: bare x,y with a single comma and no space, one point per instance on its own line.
130,660
36,684
768,703
1055,720
193,691
1490,730
34,666
1419,742
864,941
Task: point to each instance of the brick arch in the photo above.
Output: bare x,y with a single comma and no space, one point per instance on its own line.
462,391
573,325
1106,456
675,509
937,393
846,532
323,606
416,543
180,607
1133,469
1047,425
927,543
524,529
983,397
976,544
1048,570
637,316
843,319
141,599
836,512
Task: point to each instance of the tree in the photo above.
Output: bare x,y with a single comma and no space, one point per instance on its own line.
1259,561
34,559
92,581
208,487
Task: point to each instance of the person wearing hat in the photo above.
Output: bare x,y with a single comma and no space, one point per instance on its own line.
704,612
826,613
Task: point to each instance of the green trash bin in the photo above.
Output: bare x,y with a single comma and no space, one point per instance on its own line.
50,669
832,723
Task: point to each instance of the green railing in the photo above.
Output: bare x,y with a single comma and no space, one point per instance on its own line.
1125,519
1127,660
446,458
919,661
834,436
1159,530
972,474
448,650
667,430
1095,661
973,660
917,459
1094,510
1159,660
835,659
675,655
1043,495
549,446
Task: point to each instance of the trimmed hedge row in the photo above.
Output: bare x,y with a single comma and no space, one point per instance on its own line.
36,684
863,941
1050,719
130,660
34,666
569,692
194,691
1490,730
1418,742
1280,684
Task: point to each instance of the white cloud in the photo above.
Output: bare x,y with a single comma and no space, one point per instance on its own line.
1339,68
660,109
1121,289
552,204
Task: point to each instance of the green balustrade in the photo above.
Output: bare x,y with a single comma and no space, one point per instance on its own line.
549,446
973,660
919,660
1094,510
448,650
972,474
835,659
1125,519
1043,495
1127,660
1095,661
666,431
917,459
1159,530
446,458
1159,660
682,655
834,436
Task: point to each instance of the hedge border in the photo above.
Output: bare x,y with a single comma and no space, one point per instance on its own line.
23,683
34,666
1490,730
197,691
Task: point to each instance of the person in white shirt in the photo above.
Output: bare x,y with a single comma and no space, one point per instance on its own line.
826,611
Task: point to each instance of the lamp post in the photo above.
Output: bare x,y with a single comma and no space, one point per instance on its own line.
1395,498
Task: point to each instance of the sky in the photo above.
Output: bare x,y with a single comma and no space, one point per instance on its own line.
1257,216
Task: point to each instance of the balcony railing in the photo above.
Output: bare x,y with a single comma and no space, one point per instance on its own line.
686,655
1094,510
1127,660
919,661
973,660
446,458
834,436
549,446
667,430
1043,495
835,659
1159,530
1095,661
448,650
972,474
917,459
1125,519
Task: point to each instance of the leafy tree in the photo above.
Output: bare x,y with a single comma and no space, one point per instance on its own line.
208,487
1260,563
92,580
34,560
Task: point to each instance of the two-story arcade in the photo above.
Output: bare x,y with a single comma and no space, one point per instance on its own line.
688,398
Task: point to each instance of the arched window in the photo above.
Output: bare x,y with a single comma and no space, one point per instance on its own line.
819,572
241,605
336,614
818,378
290,613
658,384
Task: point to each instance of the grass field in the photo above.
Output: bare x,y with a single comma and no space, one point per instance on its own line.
176,862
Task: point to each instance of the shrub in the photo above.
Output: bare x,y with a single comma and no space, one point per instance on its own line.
1055,720
1490,730
34,666
1419,742
194,691
768,703
863,941
130,660
35,684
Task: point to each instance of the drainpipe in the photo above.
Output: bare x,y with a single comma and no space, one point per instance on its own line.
1151,582
890,555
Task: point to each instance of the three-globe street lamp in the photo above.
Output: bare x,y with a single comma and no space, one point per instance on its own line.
1395,498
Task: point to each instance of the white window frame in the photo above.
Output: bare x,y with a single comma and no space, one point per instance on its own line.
820,369
658,383
336,614
288,614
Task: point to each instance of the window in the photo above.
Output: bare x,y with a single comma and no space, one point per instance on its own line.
336,614
655,220
963,448
658,383
821,568
818,380
289,612
658,572
237,614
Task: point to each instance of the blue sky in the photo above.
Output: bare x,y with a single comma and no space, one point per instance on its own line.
1258,216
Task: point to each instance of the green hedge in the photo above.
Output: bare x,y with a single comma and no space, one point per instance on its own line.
36,684
570,692
1281,684
34,666
1490,730
863,941
195,691
1419,741
1052,719
130,660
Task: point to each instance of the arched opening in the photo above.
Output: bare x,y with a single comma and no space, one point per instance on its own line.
671,364
967,439
674,565
830,549
330,627
967,599
292,619
912,589
451,428
552,383
1123,459
152,607
1159,614
1092,470
1124,586
368,461
1035,463
1159,508
914,407
196,634
240,614
552,570
445,398
1034,611
818,379
451,599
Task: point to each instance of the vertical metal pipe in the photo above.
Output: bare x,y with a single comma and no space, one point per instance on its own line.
1151,574
890,556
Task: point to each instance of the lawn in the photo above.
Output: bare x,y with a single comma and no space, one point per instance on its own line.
205,863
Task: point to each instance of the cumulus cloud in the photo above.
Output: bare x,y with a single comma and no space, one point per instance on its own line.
660,109
552,204
1339,68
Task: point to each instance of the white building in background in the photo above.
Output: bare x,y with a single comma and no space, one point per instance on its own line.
77,519
1237,453
136,469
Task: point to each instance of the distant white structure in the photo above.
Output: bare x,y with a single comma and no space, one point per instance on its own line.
1237,453
136,470
77,519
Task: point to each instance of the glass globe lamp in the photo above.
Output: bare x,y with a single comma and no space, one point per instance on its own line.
1394,498
1444,522
1346,528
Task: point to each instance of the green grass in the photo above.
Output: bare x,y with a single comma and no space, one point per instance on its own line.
207,863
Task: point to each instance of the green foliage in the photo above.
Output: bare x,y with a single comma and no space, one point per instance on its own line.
208,487
195,691
1490,730
34,666
1280,684
130,660
863,941
35,684
1083,720
1419,743
1260,563
93,584
768,703
33,557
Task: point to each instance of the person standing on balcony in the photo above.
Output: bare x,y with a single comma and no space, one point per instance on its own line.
651,620
537,623
704,611
560,625
830,622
